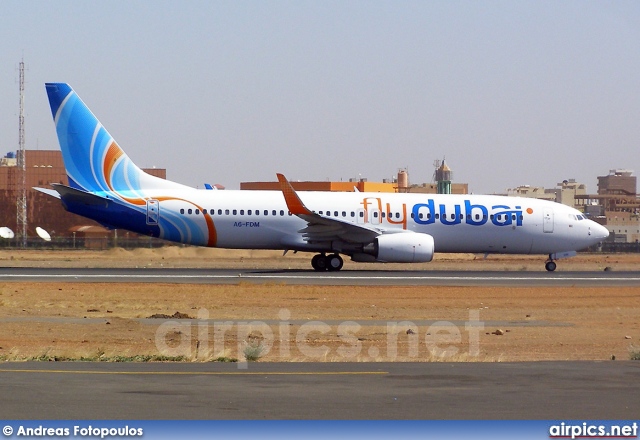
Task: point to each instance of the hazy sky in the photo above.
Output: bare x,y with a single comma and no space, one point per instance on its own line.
511,92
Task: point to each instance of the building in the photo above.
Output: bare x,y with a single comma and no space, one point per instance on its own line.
534,192
619,205
361,185
43,167
401,184
565,192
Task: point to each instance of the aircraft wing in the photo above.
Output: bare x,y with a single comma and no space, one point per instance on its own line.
321,228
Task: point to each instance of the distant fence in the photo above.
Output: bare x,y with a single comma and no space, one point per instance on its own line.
612,248
99,243
95,243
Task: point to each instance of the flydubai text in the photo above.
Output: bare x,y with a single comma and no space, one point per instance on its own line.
469,213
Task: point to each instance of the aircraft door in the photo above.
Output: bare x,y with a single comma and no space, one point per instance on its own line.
547,220
153,212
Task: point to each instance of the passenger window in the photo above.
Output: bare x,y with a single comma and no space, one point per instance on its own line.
242,212
477,216
249,212
181,210
235,212
266,212
382,214
375,214
437,216
273,212
197,212
219,211
361,214
513,217
226,212
335,213
353,214
420,215
282,213
344,213
289,212
189,211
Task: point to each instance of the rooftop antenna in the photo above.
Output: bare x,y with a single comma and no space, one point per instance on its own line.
21,202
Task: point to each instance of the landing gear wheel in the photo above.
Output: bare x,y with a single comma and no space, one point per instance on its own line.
334,262
319,262
550,266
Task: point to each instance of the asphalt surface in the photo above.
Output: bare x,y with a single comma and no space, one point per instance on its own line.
347,277
536,390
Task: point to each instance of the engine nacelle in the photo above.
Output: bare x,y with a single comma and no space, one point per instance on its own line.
398,248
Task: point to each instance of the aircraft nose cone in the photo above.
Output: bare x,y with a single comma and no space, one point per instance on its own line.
598,231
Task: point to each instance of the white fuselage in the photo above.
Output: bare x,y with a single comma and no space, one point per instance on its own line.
457,223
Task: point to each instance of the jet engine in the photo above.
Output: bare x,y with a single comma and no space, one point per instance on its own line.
398,248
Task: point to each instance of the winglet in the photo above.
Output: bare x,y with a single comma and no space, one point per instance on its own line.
294,203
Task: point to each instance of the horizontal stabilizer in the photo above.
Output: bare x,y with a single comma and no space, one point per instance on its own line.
47,191
72,195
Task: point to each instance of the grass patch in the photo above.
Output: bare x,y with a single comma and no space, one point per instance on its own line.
101,358
224,359
634,355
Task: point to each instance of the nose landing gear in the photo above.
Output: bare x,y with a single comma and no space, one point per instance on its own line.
550,265
322,262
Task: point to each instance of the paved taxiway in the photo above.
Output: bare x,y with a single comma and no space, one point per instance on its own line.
347,277
536,390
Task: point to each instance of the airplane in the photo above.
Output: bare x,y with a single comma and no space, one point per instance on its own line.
106,186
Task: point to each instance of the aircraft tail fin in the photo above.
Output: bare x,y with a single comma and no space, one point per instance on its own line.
93,160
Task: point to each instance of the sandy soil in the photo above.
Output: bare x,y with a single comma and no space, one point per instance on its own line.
313,323
176,256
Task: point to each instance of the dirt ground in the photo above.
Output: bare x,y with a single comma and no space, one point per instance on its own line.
279,322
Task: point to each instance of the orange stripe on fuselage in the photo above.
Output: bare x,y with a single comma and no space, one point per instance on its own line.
211,228
114,153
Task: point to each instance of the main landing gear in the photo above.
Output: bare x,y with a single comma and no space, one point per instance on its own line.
331,262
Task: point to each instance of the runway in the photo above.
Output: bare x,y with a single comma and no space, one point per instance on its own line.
300,277
534,390
341,390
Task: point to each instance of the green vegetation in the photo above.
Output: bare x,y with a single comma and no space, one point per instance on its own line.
101,358
224,359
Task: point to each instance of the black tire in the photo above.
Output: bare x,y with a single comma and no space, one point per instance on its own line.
319,262
550,266
334,262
